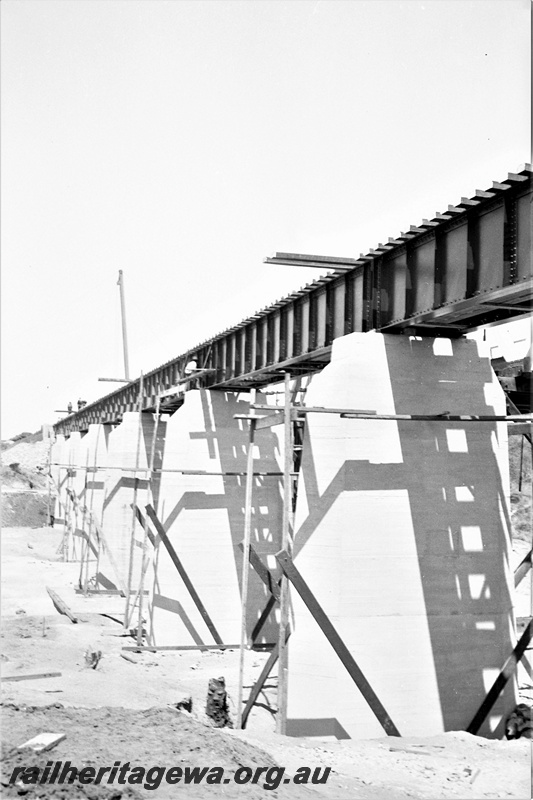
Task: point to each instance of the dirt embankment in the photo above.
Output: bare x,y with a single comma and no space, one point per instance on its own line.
151,737
23,475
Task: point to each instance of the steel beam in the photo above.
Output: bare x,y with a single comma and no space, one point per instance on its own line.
467,267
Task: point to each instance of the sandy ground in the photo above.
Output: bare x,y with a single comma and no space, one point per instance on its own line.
125,710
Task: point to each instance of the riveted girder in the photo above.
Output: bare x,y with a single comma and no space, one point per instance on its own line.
465,267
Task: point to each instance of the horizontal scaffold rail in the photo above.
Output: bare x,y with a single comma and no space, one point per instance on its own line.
353,413
465,267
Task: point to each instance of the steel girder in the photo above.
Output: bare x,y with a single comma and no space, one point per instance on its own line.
466,267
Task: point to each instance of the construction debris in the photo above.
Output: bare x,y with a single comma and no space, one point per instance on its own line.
42,742
92,657
519,723
185,704
60,605
34,677
217,703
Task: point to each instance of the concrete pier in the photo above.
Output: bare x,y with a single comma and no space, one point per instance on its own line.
96,462
402,534
401,531
77,461
203,516
128,454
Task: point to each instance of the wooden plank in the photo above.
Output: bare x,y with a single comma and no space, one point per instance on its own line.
246,561
129,609
147,536
269,581
191,647
411,417
416,749
272,419
34,677
263,571
85,536
506,672
258,627
109,554
60,605
354,413
260,682
42,742
181,570
283,665
146,533
143,522
128,658
522,569
103,592
348,661
231,474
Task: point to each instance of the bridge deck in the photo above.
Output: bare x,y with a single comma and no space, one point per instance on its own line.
466,267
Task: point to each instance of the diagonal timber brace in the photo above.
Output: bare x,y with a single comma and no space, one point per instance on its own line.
183,574
272,585
260,682
353,669
506,672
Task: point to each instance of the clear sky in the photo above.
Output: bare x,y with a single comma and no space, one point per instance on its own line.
184,141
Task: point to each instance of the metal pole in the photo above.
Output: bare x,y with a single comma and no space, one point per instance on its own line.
281,719
246,563
120,283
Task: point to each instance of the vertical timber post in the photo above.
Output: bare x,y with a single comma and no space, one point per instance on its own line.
133,518
98,529
281,719
49,484
150,499
85,546
91,509
68,509
246,559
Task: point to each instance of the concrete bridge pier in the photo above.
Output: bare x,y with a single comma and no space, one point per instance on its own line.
77,457
96,461
128,456
203,515
402,533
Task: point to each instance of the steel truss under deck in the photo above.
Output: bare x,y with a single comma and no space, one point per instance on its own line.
466,267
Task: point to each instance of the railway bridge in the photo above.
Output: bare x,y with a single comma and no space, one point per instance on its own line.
467,266
389,513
